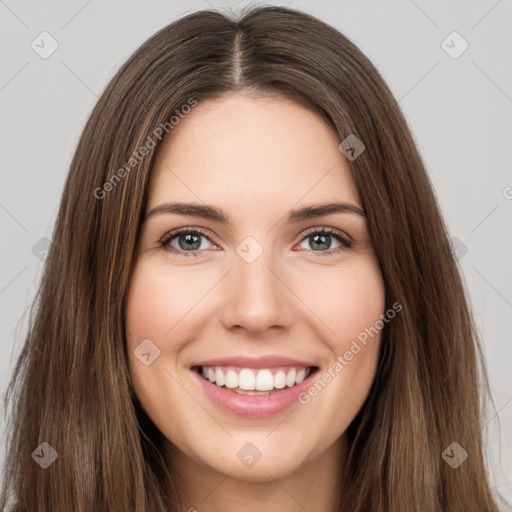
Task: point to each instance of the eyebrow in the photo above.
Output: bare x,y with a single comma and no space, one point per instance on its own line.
217,214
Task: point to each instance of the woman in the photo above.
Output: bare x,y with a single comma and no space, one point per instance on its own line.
250,301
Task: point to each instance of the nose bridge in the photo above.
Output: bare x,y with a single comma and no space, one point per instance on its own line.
254,297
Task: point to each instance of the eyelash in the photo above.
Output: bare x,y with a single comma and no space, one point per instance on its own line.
345,242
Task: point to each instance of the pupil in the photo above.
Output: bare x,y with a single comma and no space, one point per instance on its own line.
191,241
322,241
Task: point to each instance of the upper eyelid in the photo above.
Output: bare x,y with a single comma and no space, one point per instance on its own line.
327,229
175,232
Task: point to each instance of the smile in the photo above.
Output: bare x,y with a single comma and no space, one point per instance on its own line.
253,388
250,381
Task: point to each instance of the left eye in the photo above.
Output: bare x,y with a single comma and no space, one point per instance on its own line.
190,241
319,239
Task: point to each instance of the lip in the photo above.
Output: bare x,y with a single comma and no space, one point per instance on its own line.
254,362
252,406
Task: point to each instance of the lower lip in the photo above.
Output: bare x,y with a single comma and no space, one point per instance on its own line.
253,406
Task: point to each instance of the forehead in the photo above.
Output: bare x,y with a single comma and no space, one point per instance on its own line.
251,152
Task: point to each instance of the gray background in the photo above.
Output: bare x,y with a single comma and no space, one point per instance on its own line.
459,110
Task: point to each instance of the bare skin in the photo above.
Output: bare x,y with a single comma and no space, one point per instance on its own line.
256,159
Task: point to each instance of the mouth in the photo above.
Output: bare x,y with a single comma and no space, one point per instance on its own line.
253,388
255,381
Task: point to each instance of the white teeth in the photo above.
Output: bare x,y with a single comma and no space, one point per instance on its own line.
219,377
290,378
280,379
264,380
231,379
246,380
252,380
301,375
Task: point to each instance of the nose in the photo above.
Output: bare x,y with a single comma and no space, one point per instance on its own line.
256,296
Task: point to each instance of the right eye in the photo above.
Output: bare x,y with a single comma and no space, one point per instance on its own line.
188,241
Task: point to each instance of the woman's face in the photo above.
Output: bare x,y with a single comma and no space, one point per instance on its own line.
256,294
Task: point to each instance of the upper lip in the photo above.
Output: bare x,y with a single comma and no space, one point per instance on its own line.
269,361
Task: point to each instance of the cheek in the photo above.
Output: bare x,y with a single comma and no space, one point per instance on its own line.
348,302
151,312
145,304
158,298
351,307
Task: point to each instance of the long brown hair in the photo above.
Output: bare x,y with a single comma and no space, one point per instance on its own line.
71,386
